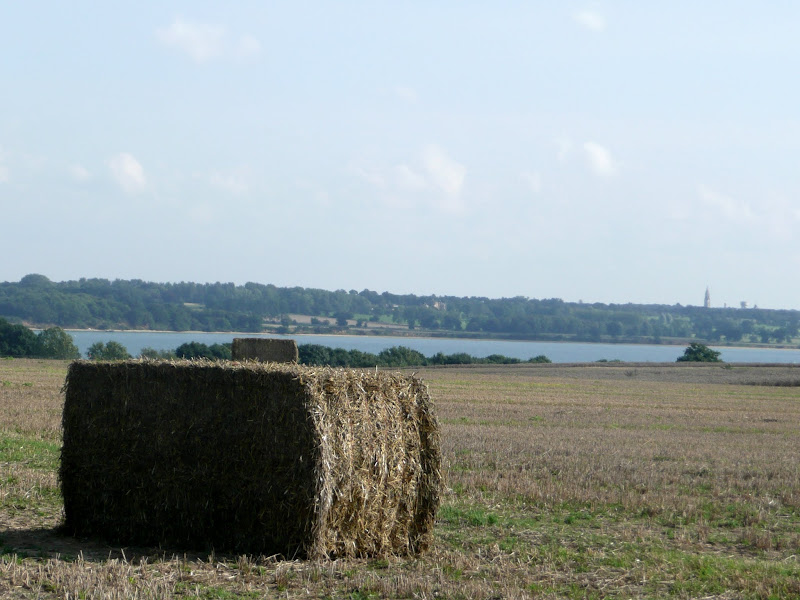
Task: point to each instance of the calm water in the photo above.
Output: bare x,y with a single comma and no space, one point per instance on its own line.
559,352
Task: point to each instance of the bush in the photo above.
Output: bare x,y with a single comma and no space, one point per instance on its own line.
540,359
17,340
200,350
699,353
57,343
400,356
109,351
397,356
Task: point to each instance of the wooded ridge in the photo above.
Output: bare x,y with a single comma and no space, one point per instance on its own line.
253,307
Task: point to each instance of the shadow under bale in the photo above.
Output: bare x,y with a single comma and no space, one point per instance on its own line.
260,458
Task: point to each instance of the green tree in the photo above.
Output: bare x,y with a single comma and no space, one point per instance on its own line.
109,351
17,340
200,350
400,356
541,358
697,352
57,343
153,354
342,318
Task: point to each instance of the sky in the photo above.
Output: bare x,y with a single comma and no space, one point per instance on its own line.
613,151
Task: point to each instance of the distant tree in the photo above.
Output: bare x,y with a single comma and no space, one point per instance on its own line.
452,322
400,356
200,350
109,351
539,359
315,355
459,358
57,343
699,353
153,354
17,340
34,280
614,328
342,318
499,359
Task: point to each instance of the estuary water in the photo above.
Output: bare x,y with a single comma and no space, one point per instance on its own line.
558,352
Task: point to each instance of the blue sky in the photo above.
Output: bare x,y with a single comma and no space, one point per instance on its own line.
611,151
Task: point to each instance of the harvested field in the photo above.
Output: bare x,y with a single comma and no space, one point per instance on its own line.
609,480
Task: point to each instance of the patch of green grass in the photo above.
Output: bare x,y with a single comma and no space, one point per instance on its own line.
475,516
199,591
378,564
452,572
363,595
35,454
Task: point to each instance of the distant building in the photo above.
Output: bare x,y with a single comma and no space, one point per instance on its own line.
743,303
707,300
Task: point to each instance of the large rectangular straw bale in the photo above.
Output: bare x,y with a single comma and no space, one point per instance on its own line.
264,349
255,458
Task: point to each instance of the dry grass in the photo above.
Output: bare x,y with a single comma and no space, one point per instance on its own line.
613,481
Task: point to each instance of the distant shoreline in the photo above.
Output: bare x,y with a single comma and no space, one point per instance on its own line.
434,337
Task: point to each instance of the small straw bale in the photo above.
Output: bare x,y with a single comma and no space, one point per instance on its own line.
257,458
264,349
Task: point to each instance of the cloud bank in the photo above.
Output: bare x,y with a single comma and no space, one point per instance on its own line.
590,19
79,173
128,173
730,208
435,173
203,42
447,174
600,160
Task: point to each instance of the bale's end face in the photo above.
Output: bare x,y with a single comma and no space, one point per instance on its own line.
265,350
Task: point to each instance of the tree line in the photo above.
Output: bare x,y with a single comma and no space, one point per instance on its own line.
252,307
18,341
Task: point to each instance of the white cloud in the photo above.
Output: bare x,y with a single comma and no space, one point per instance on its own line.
372,177
590,19
204,42
406,93
234,182
736,210
436,178
247,46
600,160
79,173
447,174
128,173
409,179
533,180
564,145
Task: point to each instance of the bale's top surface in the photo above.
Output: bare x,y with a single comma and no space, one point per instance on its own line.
307,375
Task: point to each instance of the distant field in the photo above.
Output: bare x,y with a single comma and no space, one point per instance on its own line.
611,480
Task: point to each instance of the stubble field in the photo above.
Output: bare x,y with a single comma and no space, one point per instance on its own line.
592,481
